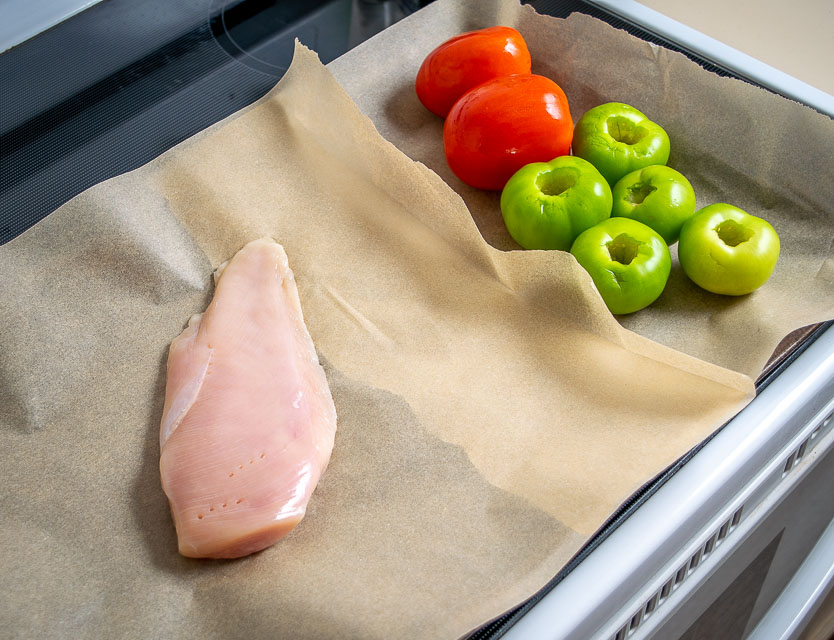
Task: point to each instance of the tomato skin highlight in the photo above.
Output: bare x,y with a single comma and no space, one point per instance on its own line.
467,60
504,124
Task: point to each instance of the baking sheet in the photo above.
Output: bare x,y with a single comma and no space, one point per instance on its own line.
492,414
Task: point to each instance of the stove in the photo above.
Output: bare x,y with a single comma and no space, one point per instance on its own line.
116,85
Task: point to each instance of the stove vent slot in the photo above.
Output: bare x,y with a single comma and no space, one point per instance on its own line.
824,424
677,578
796,455
699,557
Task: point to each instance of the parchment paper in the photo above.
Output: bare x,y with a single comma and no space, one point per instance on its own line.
736,143
492,414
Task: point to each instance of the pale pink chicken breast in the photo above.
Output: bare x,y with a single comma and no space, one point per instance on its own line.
249,422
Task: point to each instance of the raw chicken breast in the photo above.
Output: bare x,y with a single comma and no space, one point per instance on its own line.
248,423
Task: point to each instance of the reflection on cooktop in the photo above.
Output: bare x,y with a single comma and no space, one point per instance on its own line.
122,82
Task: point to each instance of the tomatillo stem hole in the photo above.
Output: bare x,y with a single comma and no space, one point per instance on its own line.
638,192
552,183
623,248
732,233
624,130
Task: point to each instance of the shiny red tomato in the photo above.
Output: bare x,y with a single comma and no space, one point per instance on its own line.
504,124
467,60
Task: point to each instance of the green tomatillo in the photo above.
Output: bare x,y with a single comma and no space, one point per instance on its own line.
628,262
725,250
545,205
617,139
657,196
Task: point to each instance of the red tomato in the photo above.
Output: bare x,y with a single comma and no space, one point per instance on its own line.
503,124
466,61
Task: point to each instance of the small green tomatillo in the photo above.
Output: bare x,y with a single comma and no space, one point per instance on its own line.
657,196
628,262
617,139
725,250
546,205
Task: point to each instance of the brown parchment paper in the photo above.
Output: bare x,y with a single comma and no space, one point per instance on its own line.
492,414
736,143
